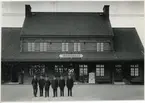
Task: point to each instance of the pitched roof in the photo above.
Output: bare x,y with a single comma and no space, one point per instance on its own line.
66,23
10,42
127,44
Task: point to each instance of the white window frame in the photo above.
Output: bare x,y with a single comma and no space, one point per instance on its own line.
77,47
31,46
65,47
134,70
100,46
100,70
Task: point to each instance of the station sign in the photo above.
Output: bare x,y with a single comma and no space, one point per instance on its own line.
70,55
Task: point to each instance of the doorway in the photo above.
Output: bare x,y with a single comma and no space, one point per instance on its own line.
83,73
118,73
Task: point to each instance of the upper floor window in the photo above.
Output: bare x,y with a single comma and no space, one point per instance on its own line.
77,47
64,47
43,46
31,46
134,70
103,46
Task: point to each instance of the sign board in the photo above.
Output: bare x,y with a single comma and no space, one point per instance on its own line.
92,77
70,55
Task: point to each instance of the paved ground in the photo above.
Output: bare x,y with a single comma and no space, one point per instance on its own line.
80,92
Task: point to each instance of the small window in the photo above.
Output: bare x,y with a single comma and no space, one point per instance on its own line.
77,47
103,46
43,46
64,47
134,70
100,47
31,46
100,70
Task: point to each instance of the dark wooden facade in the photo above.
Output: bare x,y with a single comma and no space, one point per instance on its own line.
120,60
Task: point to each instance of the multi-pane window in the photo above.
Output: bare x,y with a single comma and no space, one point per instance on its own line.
59,68
100,47
134,70
64,47
99,70
83,70
43,46
77,47
31,46
35,46
103,47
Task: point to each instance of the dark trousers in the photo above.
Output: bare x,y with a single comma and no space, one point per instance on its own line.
61,91
47,92
54,92
41,91
69,91
35,91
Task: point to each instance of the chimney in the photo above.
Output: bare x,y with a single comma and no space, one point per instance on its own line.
28,12
106,11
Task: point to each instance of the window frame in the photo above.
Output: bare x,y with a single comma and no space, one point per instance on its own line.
65,47
100,70
134,70
77,47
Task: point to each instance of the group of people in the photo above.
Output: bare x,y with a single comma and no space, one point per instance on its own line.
44,84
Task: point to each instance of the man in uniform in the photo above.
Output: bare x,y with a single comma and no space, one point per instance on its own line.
61,86
35,86
47,85
69,84
54,85
41,85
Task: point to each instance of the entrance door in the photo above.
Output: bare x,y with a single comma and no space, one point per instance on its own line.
83,73
118,73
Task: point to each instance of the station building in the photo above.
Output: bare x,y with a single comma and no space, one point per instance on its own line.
76,43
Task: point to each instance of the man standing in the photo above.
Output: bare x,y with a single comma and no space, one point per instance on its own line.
61,86
41,85
47,85
35,86
69,84
22,76
54,85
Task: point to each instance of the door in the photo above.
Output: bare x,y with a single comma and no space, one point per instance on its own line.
118,73
83,73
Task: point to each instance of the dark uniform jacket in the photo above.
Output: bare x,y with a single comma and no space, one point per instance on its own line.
54,84
61,83
41,83
47,84
34,83
70,83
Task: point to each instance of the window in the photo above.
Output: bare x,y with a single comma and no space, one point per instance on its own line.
59,68
83,70
103,47
43,47
134,70
64,47
31,46
99,70
100,47
77,47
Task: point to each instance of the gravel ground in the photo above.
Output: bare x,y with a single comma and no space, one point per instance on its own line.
80,92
